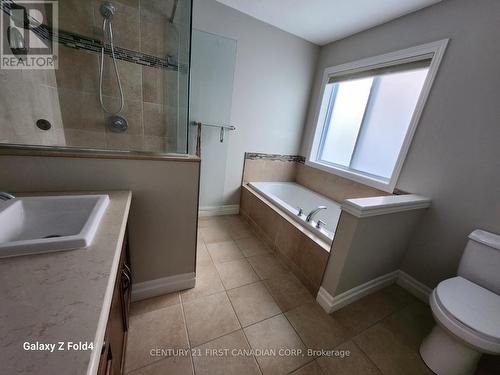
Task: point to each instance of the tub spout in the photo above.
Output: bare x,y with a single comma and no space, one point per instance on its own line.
314,212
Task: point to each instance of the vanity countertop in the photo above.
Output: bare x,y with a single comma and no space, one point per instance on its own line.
61,297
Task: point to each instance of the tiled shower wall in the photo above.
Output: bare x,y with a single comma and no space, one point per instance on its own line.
155,97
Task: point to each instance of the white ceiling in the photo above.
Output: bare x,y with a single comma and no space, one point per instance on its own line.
324,21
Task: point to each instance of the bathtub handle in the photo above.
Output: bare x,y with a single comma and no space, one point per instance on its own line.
320,223
301,211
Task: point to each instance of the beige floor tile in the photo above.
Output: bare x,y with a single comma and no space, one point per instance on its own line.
267,266
214,233
224,251
278,335
252,246
317,329
411,324
253,303
311,368
155,303
389,354
178,365
240,230
164,329
202,256
356,363
368,310
288,292
209,318
236,273
207,362
207,282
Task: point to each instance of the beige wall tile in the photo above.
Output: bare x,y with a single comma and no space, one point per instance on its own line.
76,16
81,111
78,70
130,78
269,170
155,120
153,27
154,85
84,138
332,186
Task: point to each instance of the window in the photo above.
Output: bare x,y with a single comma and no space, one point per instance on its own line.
368,114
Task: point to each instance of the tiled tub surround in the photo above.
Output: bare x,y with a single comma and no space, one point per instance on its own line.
271,167
292,198
303,252
155,102
62,296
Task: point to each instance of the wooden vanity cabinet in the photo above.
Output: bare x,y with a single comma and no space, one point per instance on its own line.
115,339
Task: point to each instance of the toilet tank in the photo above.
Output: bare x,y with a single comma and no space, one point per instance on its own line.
480,261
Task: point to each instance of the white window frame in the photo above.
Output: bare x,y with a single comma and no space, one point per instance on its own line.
435,50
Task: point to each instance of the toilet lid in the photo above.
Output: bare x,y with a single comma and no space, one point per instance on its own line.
472,305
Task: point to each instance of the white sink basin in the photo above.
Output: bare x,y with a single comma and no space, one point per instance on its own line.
32,225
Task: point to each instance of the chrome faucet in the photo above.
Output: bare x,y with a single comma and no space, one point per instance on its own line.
5,196
314,212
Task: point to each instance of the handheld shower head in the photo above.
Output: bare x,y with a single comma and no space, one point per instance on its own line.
107,10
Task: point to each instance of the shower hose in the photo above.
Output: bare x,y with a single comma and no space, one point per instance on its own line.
107,29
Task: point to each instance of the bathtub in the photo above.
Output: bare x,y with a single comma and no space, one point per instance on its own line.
290,196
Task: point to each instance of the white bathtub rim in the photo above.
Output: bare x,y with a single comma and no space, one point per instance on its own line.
291,211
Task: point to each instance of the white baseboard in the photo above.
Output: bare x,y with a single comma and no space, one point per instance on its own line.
331,304
165,285
413,286
233,209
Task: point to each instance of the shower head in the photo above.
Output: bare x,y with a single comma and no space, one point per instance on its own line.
107,10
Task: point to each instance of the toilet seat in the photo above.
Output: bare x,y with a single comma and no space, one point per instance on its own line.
469,311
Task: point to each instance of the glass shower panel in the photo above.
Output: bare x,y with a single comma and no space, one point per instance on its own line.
134,99
212,72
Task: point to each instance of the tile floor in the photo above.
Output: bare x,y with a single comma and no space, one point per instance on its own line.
247,302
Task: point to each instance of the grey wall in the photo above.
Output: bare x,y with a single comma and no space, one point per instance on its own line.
272,82
163,213
455,155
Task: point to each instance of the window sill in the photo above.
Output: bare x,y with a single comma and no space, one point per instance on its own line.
381,184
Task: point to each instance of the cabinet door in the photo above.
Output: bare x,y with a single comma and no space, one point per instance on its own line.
113,354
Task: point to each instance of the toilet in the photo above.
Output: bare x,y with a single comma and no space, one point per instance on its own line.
467,310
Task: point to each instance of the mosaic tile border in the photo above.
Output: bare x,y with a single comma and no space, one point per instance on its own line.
275,157
81,42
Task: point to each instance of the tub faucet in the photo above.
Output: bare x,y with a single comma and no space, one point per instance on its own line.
314,212
5,196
